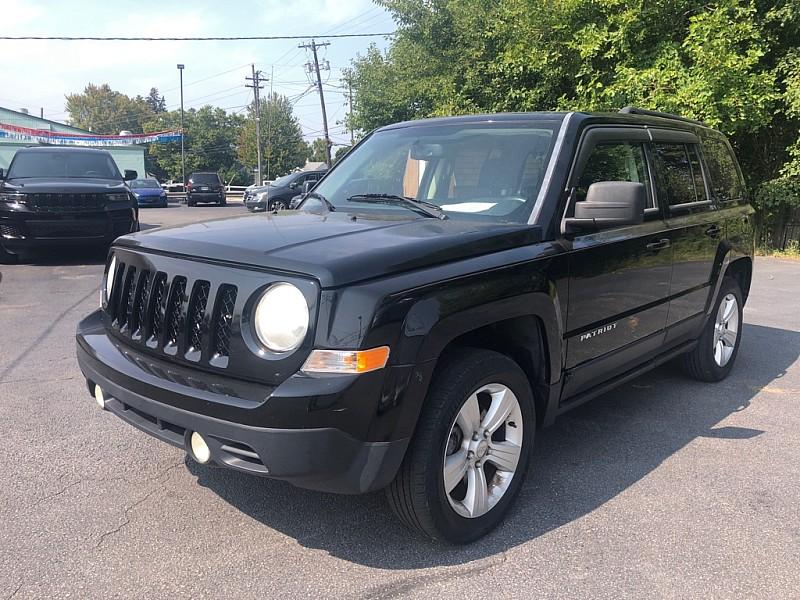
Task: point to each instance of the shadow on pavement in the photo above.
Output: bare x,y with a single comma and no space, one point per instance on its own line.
65,256
588,457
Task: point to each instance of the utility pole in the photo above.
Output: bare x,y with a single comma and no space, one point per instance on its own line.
350,111
256,85
269,122
313,46
183,154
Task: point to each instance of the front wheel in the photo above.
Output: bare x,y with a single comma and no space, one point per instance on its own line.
713,356
468,457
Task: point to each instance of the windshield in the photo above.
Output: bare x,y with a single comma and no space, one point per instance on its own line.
205,178
480,171
150,184
284,181
41,163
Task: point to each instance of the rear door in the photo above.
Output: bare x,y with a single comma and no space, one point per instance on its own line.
618,278
694,228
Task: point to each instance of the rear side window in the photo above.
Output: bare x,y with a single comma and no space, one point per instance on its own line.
618,161
726,186
680,175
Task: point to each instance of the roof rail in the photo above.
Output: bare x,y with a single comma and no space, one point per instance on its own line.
632,110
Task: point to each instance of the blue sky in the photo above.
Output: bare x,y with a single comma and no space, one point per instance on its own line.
38,74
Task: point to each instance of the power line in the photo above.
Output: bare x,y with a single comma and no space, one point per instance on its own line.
185,39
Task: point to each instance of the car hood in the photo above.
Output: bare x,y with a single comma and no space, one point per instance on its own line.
335,248
65,185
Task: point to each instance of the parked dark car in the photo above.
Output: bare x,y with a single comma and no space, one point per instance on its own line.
280,192
450,286
58,196
148,192
205,187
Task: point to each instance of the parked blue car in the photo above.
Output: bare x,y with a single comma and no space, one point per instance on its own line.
148,192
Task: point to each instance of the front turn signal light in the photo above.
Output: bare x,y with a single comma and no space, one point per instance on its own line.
346,361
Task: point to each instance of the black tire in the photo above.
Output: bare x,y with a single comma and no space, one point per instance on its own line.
417,495
191,203
701,363
223,202
7,258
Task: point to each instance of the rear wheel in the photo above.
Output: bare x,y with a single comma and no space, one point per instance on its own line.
223,202
713,357
468,457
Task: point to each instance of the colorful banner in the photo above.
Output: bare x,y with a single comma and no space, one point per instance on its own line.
60,138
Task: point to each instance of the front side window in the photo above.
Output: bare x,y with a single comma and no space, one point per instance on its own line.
680,176
44,163
480,171
614,161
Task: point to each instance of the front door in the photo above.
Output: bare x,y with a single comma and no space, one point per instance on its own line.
618,278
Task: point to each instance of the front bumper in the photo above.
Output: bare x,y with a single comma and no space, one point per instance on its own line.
320,458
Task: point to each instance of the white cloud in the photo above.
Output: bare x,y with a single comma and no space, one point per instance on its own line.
18,12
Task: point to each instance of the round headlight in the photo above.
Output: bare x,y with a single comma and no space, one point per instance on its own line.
112,269
281,318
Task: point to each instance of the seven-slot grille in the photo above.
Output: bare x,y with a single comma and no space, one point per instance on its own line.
65,202
168,314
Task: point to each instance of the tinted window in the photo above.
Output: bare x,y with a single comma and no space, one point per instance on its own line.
679,173
285,180
94,165
618,161
726,186
205,178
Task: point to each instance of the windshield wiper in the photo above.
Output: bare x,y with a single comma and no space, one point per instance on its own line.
325,201
419,206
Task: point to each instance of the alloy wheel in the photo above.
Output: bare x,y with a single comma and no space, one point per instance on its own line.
483,450
726,330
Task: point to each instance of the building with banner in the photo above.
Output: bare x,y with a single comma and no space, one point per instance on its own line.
21,130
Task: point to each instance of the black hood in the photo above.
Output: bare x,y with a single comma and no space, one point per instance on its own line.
65,185
333,247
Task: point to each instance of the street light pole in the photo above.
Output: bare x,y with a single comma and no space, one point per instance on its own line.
183,155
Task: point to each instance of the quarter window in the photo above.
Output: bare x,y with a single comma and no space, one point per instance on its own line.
680,174
618,161
726,185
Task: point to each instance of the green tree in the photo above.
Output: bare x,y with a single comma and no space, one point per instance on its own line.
734,64
316,150
155,101
210,144
103,110
282,145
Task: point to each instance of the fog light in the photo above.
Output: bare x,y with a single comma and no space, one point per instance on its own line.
99,397
200,450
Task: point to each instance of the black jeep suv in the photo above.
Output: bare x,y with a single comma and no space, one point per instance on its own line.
448,287
55,196
205,187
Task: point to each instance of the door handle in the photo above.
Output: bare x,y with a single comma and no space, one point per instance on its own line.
661,244
713,231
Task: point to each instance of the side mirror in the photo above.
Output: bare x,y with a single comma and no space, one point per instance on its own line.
307,186
130,175
293,185
608,204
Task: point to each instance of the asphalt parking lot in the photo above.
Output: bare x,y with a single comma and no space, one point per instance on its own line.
665,488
